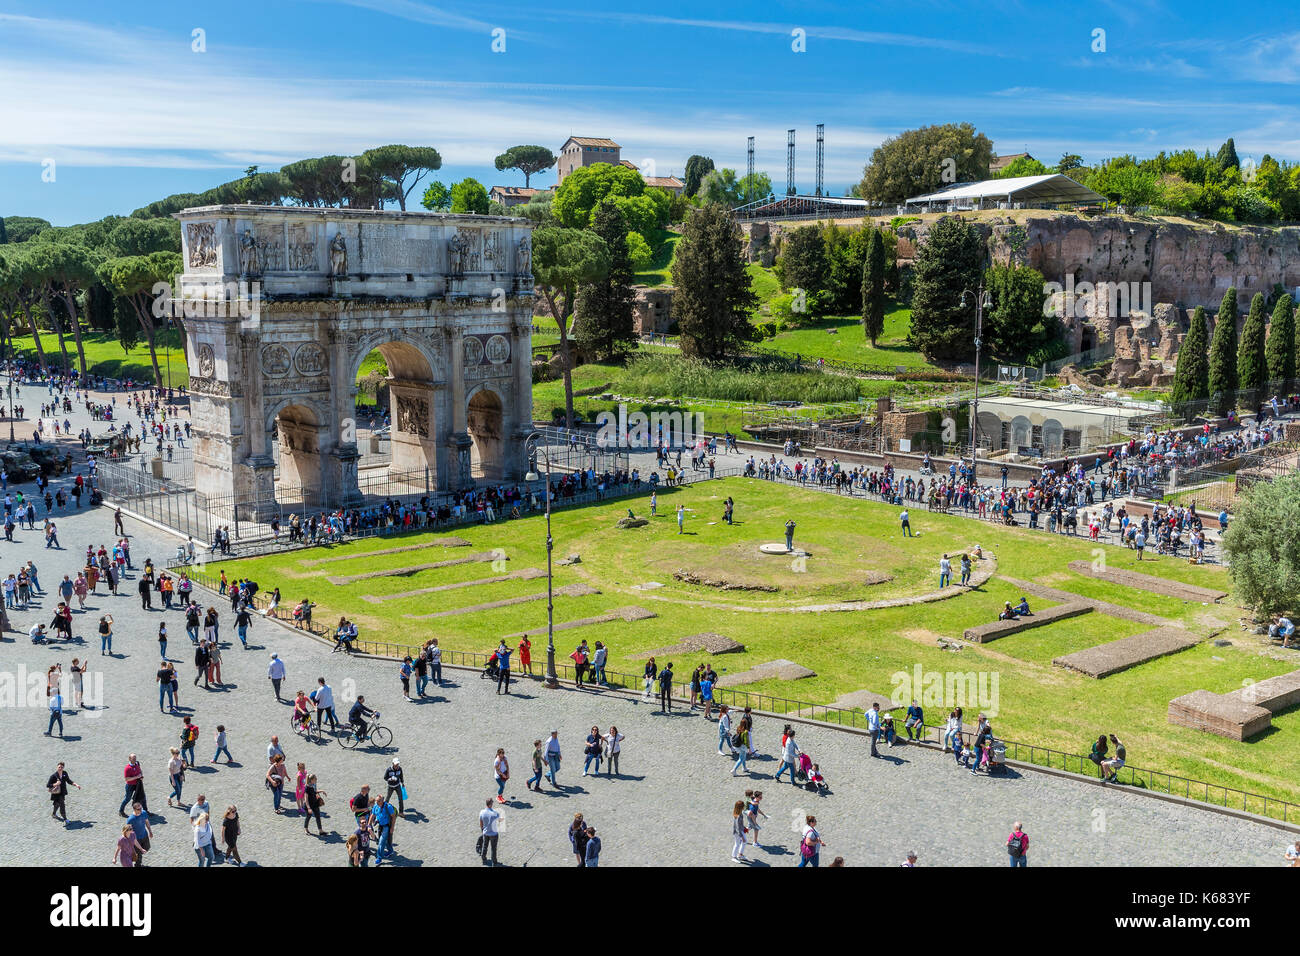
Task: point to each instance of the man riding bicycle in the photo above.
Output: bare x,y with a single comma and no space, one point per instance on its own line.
357,716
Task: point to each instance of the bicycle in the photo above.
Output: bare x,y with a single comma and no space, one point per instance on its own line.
306,728
378,736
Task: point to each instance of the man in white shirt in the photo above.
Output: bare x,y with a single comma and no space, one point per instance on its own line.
552,754
275,671
1293,853
945,572
489,820
325,704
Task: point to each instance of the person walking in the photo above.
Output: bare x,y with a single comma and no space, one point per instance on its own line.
203,837
176,776
395,778
724,730
552,759
501,773
740,741
754,810
222,748
1018,846
313,799
300,788
650,672
57,787
810,847
275,671
489,820
56,713
133,777
738,830
536,778
592,855
681,518
613,747
127,847
382,814
139,823
404,672
325,704
276,775
789,757
189,737
230,834
201,658
106,635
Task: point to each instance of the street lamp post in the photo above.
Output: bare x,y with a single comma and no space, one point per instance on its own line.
983,300
552,679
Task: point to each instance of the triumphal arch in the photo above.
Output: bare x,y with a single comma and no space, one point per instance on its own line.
280,306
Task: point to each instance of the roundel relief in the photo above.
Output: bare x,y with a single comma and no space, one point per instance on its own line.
473,351
498,350
309,359
275,360
207,361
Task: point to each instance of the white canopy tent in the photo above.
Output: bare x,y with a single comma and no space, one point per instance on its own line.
1050,190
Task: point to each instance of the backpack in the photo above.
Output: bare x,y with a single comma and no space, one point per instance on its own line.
736,739
1016,845
190,734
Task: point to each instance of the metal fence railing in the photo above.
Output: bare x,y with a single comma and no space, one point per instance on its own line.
1156,781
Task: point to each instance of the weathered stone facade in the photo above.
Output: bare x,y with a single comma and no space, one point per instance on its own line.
653,310
282,304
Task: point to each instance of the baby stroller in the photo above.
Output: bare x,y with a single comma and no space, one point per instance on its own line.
491,672
997,760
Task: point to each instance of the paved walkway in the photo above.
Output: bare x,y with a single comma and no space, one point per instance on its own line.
669,806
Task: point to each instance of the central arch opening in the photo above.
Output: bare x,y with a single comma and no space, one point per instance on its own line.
394,425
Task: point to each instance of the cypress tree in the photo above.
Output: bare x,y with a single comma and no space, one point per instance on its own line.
873,286
1281,348
1223,352
1192,375
712,298
1252,364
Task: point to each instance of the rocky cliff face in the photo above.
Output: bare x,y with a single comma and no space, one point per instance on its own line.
1187,264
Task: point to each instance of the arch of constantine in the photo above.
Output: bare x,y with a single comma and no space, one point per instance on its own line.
282,304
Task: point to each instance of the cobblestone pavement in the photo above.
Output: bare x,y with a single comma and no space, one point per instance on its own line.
670,805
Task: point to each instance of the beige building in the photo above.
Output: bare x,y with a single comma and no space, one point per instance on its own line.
512,195
585,151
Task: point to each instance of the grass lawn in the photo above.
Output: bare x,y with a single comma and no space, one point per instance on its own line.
660,271
105,355
848,342
857,554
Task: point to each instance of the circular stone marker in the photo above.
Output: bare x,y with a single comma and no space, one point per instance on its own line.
781,550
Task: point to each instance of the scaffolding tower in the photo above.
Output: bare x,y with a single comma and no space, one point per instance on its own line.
789,163
821,157
749,170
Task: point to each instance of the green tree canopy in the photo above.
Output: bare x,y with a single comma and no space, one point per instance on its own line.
950,261
1252,362
873,286
563,260
1281,342
1192,373
399,168
712,298
1263,545
697,167
603,312
802,263
527,159
1022,166
588,186
1015,327
22,228
436,197
469,195
923,160
1223,352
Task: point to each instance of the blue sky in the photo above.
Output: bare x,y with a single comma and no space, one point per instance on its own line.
116,96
